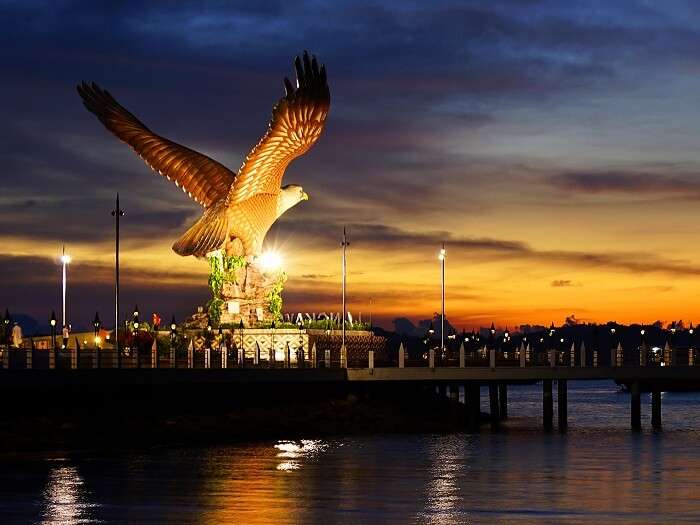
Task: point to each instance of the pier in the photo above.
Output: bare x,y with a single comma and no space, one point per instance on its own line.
30,373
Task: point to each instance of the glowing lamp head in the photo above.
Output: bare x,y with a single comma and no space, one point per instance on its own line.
643,331
98,340
66,259
442,254
270,261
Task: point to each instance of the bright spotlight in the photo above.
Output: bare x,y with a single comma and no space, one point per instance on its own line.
270,261
65,258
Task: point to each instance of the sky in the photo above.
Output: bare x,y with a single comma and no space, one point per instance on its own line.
552,146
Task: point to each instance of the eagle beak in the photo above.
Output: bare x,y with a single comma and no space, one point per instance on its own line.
304,196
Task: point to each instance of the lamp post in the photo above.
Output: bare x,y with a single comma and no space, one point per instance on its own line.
117,212
52,323
300,351
96,325
173,329
135,320
65,260
344,244
441,257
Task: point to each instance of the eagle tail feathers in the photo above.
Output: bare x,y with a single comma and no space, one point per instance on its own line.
206,235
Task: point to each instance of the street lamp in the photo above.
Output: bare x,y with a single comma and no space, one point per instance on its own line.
173,328
96,325
300,350
441,258
65,260
52,322
135,318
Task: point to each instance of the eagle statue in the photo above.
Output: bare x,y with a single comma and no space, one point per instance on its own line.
239,208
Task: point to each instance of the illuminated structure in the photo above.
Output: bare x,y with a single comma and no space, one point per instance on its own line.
239,208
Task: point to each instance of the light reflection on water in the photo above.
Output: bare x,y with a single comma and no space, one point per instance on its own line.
64,498
599,473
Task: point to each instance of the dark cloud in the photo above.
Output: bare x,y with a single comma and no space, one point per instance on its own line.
561,283
632,183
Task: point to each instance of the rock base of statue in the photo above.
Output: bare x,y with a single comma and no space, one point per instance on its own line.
246,298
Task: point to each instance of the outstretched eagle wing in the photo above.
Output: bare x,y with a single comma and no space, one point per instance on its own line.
297,122
202,178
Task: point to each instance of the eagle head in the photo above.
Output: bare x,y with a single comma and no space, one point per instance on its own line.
289,196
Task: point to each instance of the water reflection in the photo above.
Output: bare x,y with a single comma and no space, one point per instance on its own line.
64,498
443,501
599,473
294,451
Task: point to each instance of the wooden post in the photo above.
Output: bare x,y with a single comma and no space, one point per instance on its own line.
472,395
154,354
493,403
582,352
402,356
547,404
656,408
224,355
431,358
667,355
562,405
492,358
370,358
503,400
328,358
461,355
572,356
343,357
635,406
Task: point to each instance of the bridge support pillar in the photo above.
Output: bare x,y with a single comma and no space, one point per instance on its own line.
493,403
454,393
547,404
656,409
562,405
503,400
472,397
635,406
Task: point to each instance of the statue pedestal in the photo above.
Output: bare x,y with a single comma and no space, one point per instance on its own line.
245,297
